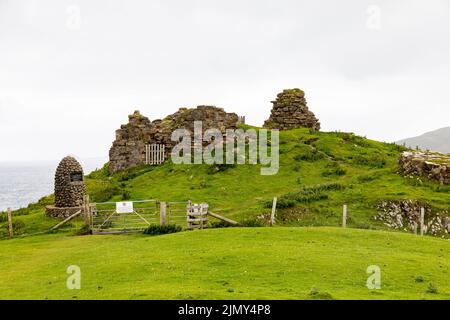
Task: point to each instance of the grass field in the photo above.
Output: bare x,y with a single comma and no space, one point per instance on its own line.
231,263
304,257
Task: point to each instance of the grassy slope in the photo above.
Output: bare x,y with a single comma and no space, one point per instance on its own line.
233,263
240,192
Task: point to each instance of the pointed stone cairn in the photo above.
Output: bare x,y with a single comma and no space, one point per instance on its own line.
290,111
69,189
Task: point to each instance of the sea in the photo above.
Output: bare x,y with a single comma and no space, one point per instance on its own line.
23,183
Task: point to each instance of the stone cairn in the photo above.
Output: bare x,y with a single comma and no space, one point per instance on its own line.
128,149
432,165
69,189
290,111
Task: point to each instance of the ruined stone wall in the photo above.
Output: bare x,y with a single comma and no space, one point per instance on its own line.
432,165
128,149
290,111
405,215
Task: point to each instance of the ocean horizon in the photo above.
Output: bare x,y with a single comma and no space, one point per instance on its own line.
22,183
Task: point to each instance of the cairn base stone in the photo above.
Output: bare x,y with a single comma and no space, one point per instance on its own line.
55,212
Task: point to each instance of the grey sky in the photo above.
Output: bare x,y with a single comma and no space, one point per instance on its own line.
64,89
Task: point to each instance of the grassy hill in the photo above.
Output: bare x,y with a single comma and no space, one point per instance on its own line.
319,172
231,263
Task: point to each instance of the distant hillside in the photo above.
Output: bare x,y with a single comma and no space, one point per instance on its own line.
438,140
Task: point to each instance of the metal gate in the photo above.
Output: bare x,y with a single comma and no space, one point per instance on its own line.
123,217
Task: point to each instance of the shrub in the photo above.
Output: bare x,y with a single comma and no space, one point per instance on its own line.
432,288
220,224
357,140
252,223
216,168
373,161
155,229
312,155
18,226
105,192
126,195
334,169
282,203
315,294
368,177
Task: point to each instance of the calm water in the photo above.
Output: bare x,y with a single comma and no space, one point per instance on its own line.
23,183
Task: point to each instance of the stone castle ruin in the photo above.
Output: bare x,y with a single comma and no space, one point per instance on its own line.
290,111
129,148
69,189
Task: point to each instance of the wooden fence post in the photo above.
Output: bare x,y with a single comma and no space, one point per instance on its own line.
10,224
422,220
87,213
344,216
274,209
163,212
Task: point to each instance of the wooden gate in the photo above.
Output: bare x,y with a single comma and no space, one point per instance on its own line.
124,217
197,215
154,154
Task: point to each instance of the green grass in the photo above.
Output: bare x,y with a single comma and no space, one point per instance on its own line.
319,172
231,263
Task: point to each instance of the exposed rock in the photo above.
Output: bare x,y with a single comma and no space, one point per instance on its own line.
432,165
290,111
128,149
405,215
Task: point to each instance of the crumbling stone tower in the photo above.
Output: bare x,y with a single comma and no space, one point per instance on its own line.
290,111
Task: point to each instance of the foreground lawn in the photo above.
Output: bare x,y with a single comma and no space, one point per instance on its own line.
234,263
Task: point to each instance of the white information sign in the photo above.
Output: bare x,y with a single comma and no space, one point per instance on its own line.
124,207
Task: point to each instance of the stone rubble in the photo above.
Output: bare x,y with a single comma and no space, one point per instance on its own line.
432,165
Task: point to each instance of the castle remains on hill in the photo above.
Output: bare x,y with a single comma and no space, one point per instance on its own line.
129,149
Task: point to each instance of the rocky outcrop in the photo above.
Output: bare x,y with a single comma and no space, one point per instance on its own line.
405,215
128,149
290,111
432,165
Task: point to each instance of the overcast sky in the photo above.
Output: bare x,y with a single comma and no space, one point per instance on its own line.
71,71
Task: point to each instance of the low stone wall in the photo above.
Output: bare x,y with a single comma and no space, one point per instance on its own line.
432,165
128,149
405,215
290,111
